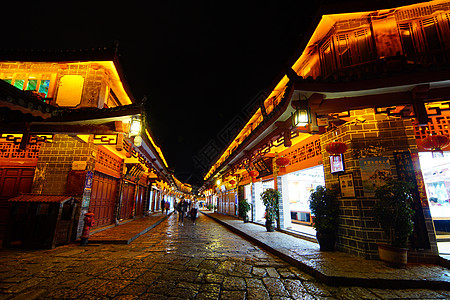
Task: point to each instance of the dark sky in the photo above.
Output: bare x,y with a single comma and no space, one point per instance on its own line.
198,62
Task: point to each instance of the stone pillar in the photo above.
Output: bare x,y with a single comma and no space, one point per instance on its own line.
253,202
368,135
284,205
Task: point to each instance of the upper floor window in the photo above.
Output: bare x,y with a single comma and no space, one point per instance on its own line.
346,49
38,83
425,36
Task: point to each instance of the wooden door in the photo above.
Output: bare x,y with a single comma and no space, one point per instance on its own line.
128,201
140,201
12,182
103,199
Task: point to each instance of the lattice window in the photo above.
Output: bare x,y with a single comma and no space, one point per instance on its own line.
304,152
12,151
438,125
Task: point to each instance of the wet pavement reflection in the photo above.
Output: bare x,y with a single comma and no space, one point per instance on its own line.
202,261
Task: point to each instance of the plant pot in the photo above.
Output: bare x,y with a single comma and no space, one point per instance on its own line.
393,256
270,226
327,240
245,218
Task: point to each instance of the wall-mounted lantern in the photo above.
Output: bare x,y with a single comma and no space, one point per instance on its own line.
302,115
135,126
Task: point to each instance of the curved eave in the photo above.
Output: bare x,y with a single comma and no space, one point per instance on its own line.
266,127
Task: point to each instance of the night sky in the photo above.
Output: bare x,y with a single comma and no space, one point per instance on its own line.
199,63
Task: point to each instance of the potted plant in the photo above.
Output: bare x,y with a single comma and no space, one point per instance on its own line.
394,212
325,209
270,199
244,208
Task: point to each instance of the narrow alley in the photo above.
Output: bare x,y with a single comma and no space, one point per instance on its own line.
202,261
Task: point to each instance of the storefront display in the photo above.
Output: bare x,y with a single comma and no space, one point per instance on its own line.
300,186
436,174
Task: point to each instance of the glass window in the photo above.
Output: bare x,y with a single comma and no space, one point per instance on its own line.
32,84
19,83
38,83
43,87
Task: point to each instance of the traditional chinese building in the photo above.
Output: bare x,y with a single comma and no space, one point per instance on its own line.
70,126
376,84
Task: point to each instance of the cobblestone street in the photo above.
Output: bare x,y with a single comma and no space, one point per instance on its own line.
202,261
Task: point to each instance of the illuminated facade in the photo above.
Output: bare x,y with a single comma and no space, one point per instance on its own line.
375,80
70,126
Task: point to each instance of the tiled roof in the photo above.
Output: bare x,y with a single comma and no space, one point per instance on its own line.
37,198
16,99
87,113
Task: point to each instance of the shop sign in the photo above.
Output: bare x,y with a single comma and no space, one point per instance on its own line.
337,163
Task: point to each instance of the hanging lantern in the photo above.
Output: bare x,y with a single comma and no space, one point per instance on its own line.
254,173
282,161
336,148
435,143
232,182
302,115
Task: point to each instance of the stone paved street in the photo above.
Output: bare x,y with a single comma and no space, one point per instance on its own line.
203,261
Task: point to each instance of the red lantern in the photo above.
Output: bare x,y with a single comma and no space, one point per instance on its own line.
282,161
336,148
232,182
435,143
254,173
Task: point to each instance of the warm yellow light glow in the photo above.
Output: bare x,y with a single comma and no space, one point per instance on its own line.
300,118
10,137
156,148
83,137
105,139
135,127
218,182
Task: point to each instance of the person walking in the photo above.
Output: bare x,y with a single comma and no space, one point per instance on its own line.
162,205
181,210
185,206
194,211
167,206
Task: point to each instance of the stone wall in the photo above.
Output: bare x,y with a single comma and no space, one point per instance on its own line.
55,162
368,135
